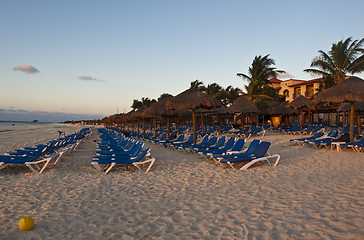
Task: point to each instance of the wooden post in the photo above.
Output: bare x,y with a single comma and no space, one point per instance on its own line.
155,127
352,109
359,123
168,129
194,126
203,129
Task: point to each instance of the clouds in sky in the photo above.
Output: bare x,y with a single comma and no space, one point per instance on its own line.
285,75
13,114
89,78
26,68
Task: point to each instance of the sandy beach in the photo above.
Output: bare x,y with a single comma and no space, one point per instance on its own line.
311,194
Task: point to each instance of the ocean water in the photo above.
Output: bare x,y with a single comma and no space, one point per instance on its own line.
24,124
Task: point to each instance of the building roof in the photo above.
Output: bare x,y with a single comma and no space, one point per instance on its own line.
305,82
275,80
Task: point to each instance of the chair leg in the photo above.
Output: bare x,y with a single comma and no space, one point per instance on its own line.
151,161
110,167
97,166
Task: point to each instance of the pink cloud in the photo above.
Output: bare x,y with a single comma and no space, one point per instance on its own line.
26,68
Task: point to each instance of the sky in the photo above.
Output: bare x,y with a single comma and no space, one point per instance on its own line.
72,60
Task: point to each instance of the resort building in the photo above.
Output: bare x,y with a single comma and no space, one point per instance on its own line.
293,88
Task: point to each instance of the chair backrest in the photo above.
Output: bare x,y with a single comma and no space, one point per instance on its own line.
346,129
179,138
317,128
343,138
262,149
211,141
141,155
204,139
220,142
317,135
229,143
190,139
252,147
239,144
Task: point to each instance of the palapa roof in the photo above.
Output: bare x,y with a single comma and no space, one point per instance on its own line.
349,90
301,102
192,99
136,114
158,108
345,107
243,105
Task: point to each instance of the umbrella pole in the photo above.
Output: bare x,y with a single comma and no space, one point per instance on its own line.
138,128
155,127
203,129
168,132
242,122
301,118
359,123
143,127
352,122
194,126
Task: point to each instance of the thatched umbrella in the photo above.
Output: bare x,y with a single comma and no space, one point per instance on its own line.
159,109
193,99
243,106
350,90
137,115
358,106
300,103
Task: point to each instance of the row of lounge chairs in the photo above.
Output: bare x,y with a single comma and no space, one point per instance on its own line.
296,129
333,139
39,157
114,149
248,132
225,150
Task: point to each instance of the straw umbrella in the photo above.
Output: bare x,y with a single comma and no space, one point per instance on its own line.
358,106
159,109
300,103
350,90
193,99
243,106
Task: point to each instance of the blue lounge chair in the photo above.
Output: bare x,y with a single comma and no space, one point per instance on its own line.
111,161
237,148
251,149
260,154
203,141
38,161
229,144
327,139
301,141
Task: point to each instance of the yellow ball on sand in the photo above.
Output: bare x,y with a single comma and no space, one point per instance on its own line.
26,223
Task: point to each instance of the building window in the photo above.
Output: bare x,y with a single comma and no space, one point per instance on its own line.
286,93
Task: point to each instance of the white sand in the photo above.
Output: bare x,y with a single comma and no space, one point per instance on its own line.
311,194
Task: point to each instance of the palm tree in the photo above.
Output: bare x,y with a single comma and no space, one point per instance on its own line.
345,57
212,89
260,72
197,84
